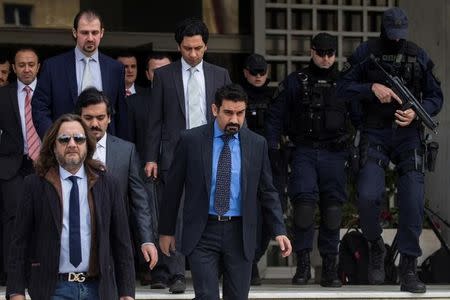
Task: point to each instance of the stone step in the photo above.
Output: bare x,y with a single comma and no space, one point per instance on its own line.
313,291
287,291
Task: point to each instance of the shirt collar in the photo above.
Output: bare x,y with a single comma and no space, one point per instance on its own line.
185,66
219,132
21,85
102,141
132,89
80,55
64,174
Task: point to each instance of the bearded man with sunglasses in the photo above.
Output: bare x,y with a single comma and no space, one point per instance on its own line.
71,238
306,109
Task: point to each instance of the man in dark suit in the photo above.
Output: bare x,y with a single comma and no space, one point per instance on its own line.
181,96
222,168
4,71
71,232
154,61
129,61
65,76
121,160
19,142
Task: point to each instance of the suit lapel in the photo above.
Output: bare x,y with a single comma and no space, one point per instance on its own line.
15,101
207,156
104,71
72,76
209,91
109,161
245,160
178,80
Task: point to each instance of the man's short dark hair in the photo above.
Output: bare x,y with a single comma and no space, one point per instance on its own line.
90,14
91,96
126,54
3,59
233,92
190,27
158,56
23,50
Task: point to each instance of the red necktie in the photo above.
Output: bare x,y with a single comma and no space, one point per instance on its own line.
127,92
33,141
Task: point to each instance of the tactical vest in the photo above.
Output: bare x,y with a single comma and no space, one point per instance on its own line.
255,116
317,115
406,66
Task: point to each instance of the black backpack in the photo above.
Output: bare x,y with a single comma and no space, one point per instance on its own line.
435,269
353,258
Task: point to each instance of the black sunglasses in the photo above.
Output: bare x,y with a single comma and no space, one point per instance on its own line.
64,139
323,53
256,72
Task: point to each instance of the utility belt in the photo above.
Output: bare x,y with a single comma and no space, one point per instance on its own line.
335,145
419,159
377,123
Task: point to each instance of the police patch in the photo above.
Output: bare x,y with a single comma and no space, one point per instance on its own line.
347,66
278,91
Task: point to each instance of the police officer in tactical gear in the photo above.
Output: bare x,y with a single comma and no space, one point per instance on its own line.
392,134
307,109
255,83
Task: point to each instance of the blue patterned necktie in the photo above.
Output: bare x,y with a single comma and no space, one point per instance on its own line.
74,224
223,178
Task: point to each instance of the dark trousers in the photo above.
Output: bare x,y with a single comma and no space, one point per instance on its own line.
318,176
410,187
170,268
12,192
221,245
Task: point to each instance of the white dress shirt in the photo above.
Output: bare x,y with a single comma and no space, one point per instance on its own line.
85,222
100,151
200,77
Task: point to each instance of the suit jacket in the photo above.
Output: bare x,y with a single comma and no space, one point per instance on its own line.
191,169
57,91
168,113
140,90
123,162
138,112
11,138
35,249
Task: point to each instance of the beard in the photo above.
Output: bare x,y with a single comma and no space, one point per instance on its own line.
232,128
70,161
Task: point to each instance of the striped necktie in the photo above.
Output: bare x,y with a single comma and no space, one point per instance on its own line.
33,141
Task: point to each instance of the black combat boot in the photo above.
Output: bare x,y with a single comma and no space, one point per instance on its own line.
303,273
377,253
256,280
409,281
329,272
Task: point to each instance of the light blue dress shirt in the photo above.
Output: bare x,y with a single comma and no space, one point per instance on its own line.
235,193
94,64
85,222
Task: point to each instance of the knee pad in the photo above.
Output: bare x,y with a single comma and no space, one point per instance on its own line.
331,216
304,214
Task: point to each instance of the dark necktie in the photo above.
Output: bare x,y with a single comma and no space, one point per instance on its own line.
74,224
223,178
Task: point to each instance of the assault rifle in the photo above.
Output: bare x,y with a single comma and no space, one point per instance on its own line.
408,99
